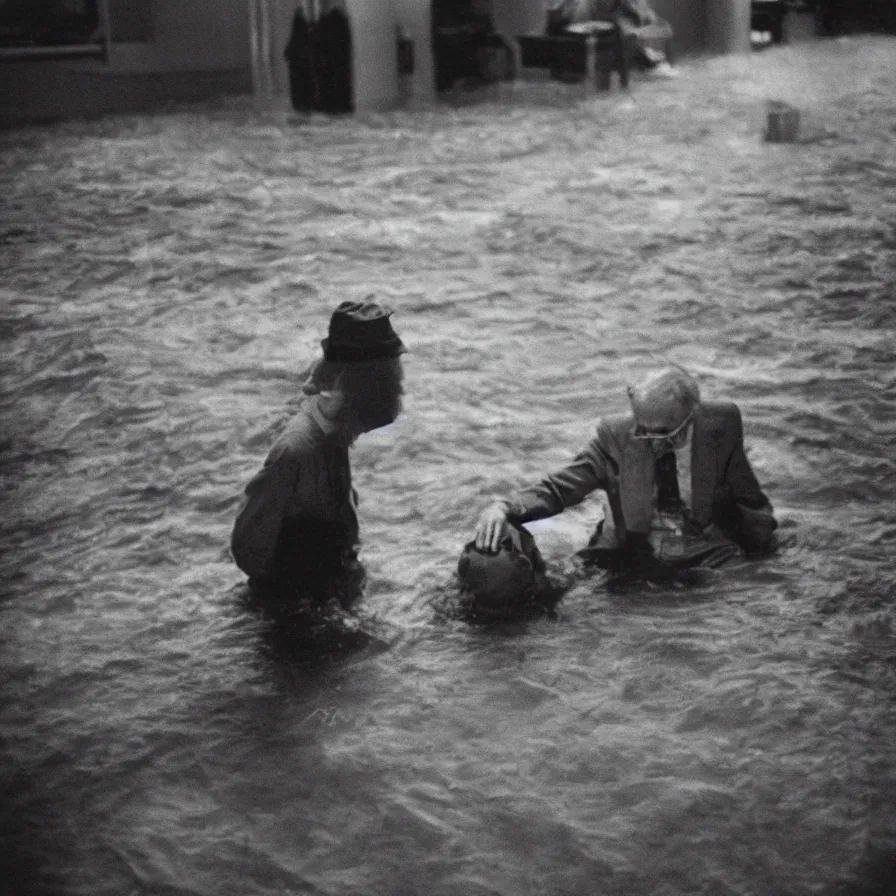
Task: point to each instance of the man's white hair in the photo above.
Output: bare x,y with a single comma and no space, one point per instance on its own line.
672,388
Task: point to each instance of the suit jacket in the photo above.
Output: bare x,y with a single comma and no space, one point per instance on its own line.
724,489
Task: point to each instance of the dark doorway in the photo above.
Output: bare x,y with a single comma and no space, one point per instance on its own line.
319,56
462,33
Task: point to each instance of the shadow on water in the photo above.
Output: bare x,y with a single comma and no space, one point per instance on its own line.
454,602
317,630
37,827
644,576
696,584
628,584
875,874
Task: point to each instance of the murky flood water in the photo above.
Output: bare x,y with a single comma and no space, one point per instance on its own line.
166,280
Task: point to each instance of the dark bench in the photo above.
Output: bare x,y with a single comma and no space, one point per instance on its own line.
566,55
466,45
834,17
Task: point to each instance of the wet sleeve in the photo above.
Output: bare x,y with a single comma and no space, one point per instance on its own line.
562,13
757,519
639,12
565,488
257,528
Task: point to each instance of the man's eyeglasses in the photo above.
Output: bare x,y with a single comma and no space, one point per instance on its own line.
660,435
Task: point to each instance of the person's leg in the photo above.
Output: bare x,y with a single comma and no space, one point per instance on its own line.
315,562
653,42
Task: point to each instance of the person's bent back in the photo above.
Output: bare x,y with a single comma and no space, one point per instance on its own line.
298,520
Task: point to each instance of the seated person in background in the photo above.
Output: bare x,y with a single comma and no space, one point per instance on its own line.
637,20
296,531
680,487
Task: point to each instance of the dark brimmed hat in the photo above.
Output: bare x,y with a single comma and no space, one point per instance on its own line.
361,331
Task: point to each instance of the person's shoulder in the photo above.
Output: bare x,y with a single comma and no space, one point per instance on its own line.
614,431
721,408
722,419
720,411
299,437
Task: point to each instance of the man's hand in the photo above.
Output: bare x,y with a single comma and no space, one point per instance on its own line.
490,528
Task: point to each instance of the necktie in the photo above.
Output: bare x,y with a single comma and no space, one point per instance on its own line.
668,498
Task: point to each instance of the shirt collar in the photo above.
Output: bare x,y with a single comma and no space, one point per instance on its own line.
688,437
328,427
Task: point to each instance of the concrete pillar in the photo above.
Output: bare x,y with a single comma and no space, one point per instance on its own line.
373,24
728,26
261,49
415,17
688,21
281,15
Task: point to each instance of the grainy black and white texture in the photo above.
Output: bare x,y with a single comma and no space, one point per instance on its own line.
166,281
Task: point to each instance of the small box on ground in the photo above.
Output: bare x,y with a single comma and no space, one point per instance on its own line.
783,125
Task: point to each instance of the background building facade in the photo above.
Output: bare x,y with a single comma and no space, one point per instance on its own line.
144,52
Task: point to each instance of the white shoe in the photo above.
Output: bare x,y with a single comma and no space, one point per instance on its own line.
663,70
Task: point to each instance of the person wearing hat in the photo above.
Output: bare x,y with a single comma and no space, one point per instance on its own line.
297,524
680,488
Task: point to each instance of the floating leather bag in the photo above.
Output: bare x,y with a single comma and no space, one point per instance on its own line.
502,583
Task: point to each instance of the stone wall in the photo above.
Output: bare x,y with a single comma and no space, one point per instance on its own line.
197,50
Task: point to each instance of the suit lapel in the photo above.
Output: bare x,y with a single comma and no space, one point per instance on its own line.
703,469
636,480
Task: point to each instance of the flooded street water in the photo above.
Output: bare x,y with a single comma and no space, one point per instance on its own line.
166,281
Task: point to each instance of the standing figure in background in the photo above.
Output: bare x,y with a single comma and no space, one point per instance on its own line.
639,23
680,488
296,532
333,59
319,56
299,55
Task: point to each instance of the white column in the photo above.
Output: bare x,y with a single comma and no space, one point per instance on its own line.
415,16
105,27
375,54
728,26
260,38
267,48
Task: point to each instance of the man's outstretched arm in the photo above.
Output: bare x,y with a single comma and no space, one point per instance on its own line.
553,494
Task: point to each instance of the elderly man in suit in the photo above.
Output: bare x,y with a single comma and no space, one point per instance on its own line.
680,488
